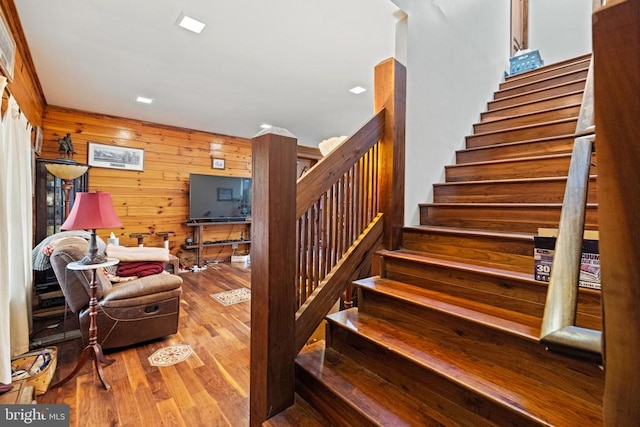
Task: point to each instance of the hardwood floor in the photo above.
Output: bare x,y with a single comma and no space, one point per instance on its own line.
210,388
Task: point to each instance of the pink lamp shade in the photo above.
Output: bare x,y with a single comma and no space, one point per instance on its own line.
91,211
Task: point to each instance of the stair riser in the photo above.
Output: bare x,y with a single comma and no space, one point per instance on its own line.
529,119
507,294
518,219
458,405
351,395
524,356
535,77
323,400
523,296
509,254
532,107
536,96
530,168
554,81
548,191
522,134
533,148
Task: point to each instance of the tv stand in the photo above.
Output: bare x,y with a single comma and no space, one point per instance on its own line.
199,243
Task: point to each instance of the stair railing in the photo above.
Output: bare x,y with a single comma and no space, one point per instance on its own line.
338,230
305,254
558,330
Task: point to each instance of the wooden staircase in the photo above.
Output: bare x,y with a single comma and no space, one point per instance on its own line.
448,334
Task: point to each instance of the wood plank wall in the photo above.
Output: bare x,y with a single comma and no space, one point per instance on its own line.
25,86
156,199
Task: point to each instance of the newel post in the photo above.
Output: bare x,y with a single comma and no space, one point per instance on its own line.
273,274
390,94
616,43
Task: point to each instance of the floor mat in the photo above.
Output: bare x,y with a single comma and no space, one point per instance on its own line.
234,296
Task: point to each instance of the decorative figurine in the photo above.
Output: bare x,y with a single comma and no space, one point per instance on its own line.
65,146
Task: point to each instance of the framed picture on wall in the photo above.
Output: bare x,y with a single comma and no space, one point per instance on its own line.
7,49
218,163
115,157
37,140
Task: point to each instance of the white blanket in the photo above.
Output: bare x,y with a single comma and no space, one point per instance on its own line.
133,254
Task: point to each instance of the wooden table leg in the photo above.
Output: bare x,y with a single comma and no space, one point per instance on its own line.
93,350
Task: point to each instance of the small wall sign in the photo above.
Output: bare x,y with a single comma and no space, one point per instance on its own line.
218,163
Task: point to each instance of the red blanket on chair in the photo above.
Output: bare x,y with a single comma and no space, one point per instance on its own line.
140,268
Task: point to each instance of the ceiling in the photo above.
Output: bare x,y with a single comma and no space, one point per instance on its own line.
288,63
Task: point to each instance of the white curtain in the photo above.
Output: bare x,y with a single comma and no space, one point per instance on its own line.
15,236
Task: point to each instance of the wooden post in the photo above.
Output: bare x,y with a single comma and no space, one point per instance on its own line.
273,274
616,42
390,94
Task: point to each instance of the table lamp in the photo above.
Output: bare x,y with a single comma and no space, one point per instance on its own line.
92,211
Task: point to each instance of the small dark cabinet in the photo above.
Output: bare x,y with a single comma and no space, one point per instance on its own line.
48,217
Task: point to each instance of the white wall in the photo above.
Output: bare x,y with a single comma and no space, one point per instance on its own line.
560,29
457,52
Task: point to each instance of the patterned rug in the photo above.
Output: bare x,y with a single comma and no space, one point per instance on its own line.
167,356
234,296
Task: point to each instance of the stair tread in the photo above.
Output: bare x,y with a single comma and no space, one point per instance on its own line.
467,232
543,79
503,205
493,271
507,181
367,393
548,98
510,129
527,114
511,160
559,85
549,67
522,325
531,398
528,141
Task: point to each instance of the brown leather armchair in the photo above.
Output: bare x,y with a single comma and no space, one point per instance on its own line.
127,313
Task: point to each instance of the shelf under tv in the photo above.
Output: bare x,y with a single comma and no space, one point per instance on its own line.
222,220
199,243
222,243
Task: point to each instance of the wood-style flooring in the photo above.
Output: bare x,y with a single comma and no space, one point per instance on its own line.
210,388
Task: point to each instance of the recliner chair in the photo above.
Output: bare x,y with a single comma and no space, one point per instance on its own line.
127,313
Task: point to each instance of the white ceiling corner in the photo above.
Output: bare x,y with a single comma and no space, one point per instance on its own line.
289,63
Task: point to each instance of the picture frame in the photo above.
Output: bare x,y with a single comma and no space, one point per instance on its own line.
217,163
38,139
7,49
225,194
115,157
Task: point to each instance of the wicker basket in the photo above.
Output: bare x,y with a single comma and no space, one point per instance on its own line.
40,380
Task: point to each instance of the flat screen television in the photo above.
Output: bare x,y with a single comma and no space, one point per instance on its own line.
219,198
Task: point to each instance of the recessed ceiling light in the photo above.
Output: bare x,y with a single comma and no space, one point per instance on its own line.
188,23
265,126
357,90
144,100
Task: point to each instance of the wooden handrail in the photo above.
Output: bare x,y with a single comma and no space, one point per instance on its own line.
558,329
326,172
